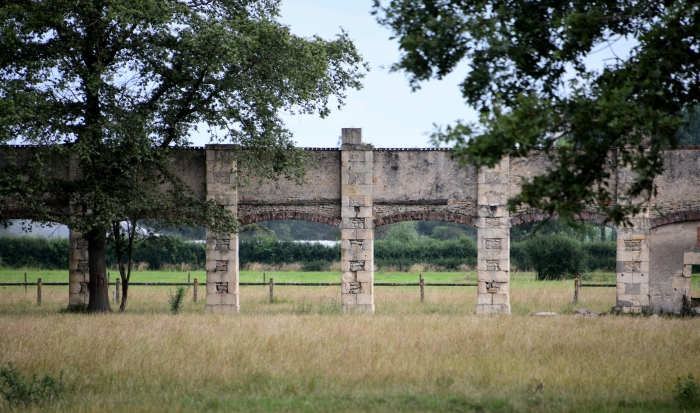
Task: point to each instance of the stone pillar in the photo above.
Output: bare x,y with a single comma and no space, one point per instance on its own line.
78,271
633,266
356,227
222,249
78,265
493,228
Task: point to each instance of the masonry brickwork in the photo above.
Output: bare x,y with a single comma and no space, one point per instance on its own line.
222,249
358,188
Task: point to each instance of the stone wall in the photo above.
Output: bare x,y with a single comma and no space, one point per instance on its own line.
222,249
359,188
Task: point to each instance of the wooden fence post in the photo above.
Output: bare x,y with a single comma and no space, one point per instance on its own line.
118,285
576,288
422,288
25,282
264,280
195,290
188,280
272,289
38,292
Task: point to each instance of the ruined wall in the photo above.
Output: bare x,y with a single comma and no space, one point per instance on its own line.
422,185
677,188
317,200
667,246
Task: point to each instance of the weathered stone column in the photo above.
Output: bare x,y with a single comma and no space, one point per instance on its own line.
633,266
78,265
493,228
78,271
356,227
222,249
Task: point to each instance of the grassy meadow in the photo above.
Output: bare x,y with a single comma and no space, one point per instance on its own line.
301,355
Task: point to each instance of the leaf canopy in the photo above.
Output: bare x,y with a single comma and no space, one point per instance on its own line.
527,75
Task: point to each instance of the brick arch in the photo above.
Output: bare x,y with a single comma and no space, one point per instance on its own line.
289,215
426,216
537,216
674,217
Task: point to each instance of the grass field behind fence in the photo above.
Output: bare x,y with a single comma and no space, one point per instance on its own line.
301,355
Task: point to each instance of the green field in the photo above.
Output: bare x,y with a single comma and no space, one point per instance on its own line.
300,354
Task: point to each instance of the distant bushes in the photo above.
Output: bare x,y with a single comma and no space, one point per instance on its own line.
448,254
558,256
17,252
551,256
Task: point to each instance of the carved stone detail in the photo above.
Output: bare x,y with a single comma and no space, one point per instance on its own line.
357,265
222,244
221,265
493,243
492,265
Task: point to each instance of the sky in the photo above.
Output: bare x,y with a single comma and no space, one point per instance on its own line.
390,115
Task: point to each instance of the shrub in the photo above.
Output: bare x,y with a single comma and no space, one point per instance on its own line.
687,392
554,256
19,390
177,300
317,265
600,255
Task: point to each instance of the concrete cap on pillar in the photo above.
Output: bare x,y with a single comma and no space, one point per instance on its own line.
352,136
352,140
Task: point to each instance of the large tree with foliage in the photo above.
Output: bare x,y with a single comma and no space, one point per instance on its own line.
120,86
528,78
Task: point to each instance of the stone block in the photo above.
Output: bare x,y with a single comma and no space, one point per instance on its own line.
356,190
687,271
348,234
484,298
492,254
348,212
691,258
229,299
365,276
623,277
365,299
640,278
348,277
364,234
492,233
77,277
213,298
481,287
631,256
493,276
500,298
680,283
632,289
364,212
348,299
211,287
491,309
77,300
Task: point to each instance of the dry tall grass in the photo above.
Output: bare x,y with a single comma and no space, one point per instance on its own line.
300,354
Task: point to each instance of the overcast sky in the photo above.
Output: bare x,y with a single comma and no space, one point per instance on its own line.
389,114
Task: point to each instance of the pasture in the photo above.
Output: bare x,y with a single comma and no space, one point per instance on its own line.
300,354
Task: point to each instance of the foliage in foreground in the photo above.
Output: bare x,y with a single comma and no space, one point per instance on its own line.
529,75
687,392
177,299
19,390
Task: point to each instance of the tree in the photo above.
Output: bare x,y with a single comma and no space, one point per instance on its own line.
119,86
528,78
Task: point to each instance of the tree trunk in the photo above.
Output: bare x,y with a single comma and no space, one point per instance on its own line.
99,289
125,291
